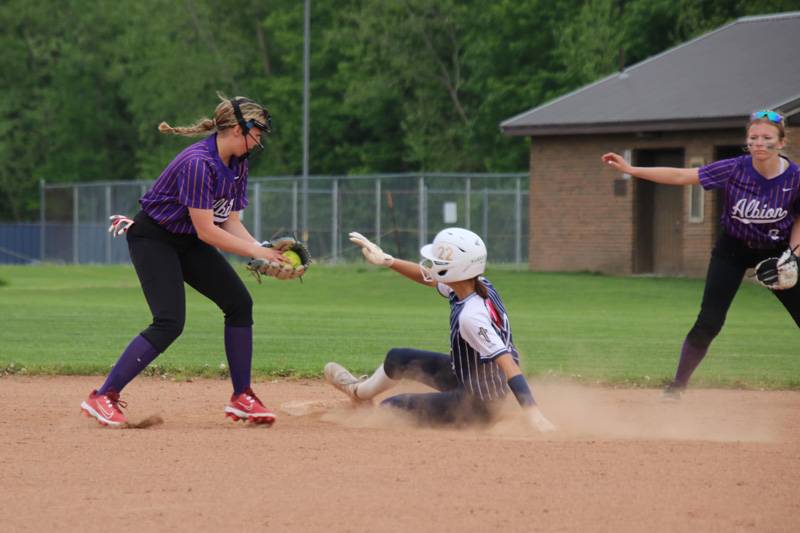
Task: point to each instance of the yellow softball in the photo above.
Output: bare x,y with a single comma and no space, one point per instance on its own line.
293,258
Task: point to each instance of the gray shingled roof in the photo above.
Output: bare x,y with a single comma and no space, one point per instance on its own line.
713,81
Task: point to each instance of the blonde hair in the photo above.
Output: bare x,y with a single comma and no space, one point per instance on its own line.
224,118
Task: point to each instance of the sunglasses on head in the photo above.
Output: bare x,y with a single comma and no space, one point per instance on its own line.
772,116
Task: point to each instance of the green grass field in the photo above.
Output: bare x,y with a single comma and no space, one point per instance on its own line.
77,319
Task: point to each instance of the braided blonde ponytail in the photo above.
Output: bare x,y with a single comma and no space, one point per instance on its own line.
224,118
201,127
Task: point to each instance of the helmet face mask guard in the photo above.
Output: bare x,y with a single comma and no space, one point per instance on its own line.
456,254
429,265
248,125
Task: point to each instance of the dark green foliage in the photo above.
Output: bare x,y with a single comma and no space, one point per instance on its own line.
408,85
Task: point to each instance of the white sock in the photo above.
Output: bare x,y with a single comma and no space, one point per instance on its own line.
377,383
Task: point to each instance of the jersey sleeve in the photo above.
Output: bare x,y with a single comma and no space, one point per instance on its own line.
476,328
716,174
196,185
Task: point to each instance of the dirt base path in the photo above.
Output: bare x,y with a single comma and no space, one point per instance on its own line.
622,461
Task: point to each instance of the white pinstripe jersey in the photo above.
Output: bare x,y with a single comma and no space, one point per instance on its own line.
479,332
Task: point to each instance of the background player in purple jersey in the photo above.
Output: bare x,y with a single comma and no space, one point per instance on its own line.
191,211
759,220
483,363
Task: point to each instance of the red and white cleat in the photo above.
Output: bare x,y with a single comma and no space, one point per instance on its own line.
106,408
247,406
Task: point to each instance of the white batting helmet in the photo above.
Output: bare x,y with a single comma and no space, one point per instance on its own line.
456,254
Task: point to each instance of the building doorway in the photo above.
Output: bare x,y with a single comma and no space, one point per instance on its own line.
658,217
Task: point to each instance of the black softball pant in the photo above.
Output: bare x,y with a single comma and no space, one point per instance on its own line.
164,261
730,259
452,405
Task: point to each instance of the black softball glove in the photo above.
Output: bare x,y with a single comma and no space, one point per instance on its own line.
778,273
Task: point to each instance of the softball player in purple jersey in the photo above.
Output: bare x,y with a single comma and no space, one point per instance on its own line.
759,220
483,363
191,211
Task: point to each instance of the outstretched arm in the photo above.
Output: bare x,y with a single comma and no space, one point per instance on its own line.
375,255
411,271
665,175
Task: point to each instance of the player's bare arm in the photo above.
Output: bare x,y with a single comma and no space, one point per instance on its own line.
235,227
665,175
411,271
375,255
508,366
207,231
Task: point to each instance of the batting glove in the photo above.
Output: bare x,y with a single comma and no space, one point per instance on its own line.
119,225
371,251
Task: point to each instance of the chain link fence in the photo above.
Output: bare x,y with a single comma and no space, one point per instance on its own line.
401,212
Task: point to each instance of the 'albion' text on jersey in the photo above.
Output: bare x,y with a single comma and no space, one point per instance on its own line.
752,212
222,209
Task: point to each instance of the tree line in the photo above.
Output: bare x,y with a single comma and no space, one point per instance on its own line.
396,85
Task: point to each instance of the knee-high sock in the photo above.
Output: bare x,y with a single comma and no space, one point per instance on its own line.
133,360
377,383
239,351
690,358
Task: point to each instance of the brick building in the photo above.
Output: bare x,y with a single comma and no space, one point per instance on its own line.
685,107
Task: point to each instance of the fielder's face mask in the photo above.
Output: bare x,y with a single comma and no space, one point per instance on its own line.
265,125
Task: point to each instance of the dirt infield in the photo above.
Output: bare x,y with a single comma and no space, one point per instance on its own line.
622,461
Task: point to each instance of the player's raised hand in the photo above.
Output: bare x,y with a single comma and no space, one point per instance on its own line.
371,251
617,162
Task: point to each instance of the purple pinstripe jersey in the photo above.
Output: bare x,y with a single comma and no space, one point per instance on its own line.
756,209
196,178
